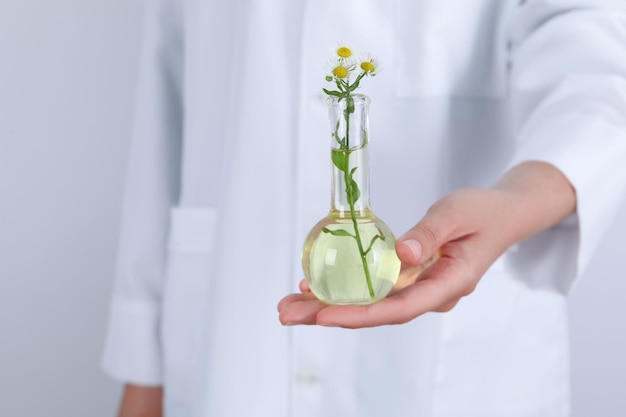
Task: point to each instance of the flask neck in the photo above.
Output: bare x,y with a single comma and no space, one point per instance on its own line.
351,188
349,123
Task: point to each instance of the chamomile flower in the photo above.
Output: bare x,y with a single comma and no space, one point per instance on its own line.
342,51
369,64
343,65
340,72
340,69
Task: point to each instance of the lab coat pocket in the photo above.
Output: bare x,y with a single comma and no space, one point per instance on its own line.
190,264
449,48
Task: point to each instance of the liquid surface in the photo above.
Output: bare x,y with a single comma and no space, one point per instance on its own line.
333,265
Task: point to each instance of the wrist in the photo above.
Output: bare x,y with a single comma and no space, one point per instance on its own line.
141,401
538,196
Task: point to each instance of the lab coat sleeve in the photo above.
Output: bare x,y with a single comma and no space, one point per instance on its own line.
568,92
132,351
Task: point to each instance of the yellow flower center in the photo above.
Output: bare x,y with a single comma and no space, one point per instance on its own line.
344,52
340,72
368,67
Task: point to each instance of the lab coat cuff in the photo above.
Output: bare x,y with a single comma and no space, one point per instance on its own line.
132,351
590,150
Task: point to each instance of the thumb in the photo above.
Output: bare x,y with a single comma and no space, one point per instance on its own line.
421,242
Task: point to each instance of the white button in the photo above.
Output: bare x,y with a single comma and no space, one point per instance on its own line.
306,377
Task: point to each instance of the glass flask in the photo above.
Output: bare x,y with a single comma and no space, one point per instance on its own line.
349,257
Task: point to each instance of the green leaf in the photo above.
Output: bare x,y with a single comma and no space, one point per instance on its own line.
339,160
353,191
329,78
332,93
355,85
338,232
339,140
356,82
369,248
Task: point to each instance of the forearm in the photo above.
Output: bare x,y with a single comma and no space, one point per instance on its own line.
539,197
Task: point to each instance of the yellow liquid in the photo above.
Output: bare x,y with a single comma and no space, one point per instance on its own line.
333,265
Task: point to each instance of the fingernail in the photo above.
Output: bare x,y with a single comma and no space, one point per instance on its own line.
415,247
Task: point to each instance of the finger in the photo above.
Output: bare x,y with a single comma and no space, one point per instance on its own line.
443,285
447,307
420,243
440,225
291,298
408,275
303,310
411,274
304,286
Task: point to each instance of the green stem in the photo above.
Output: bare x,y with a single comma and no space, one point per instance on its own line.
346,114
357,234
357,237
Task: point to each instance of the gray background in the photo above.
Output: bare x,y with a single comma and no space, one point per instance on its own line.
67,76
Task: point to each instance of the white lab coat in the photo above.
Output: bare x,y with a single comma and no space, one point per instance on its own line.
229,170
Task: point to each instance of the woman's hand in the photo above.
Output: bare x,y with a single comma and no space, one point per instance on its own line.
138,401
448,251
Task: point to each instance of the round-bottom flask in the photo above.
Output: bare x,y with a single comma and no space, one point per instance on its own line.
349,257
333,265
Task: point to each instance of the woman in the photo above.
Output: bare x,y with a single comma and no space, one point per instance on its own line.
226,180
